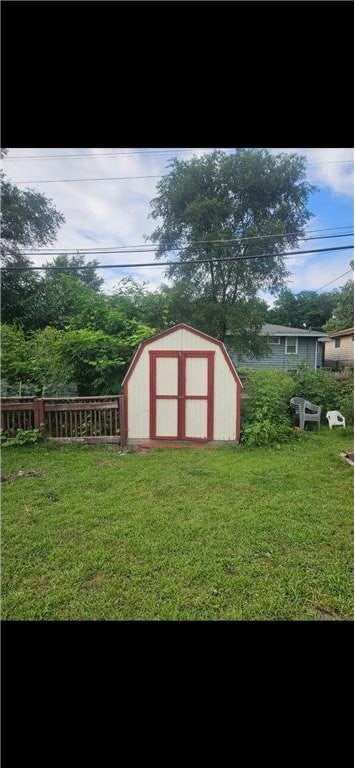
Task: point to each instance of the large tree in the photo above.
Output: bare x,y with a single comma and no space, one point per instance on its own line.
306,309
28,219
73,267
249,194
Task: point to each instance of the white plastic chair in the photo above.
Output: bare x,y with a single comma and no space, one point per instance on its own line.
335,419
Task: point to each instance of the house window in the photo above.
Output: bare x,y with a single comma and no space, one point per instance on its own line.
291,345
337,342
275,340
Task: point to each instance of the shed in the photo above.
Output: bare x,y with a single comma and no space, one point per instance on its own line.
182,386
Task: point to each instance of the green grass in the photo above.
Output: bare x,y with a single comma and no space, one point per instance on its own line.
218,533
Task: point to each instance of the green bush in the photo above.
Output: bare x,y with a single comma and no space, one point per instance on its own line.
264,432
265,410
22,437
266,414
323,388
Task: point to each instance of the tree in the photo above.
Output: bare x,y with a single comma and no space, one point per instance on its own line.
15,362
29,219
184,304
246,195
51,360
73,267
306,309
343,311
138,303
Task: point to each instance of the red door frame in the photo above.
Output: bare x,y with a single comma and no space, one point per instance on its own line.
181,397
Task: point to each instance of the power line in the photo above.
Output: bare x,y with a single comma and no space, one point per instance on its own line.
285,254
101,154
99,178
333,281
152,248
144,152
111,247
125,178
333,162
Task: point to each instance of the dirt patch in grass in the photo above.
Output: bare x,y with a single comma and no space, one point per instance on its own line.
325,615
96,581
20,474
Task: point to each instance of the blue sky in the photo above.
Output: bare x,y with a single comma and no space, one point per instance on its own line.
115,213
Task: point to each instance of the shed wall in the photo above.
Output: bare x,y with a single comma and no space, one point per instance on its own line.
225,388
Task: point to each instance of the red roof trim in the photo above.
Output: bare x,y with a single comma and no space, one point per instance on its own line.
186,327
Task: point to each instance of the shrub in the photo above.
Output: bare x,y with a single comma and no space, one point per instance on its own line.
266,412
22,437
323,388
345,401
264,432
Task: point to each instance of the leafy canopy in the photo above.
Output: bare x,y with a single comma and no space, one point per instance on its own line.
245,195
28,219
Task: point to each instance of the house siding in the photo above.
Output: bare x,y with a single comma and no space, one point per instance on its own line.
343,354
278,358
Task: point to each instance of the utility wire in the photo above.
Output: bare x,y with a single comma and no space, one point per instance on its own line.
333,281
99,178
152,248
144,152
154,176
111,247
286,255
333,162
102,154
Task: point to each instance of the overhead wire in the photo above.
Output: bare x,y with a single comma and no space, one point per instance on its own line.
103,154
113,247
333,281
150,248
148,176
153,249
194,262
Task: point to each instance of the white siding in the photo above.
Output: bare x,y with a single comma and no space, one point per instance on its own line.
196,418
167,375
225,388
167,420
196,376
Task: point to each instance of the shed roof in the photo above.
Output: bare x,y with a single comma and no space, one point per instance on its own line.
178,327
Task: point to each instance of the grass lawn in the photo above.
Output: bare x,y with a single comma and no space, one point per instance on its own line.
216,533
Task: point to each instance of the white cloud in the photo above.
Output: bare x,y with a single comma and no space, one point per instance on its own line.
315,276
328,167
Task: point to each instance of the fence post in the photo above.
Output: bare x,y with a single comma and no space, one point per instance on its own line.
122,420
39,417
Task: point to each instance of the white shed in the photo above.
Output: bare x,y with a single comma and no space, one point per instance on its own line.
182,386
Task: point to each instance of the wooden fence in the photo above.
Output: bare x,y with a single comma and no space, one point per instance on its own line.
86,419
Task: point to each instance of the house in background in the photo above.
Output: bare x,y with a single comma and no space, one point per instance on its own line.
339,349
288,348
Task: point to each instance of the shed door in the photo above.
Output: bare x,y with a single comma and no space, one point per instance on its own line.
181,395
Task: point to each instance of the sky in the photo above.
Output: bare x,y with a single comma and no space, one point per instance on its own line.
104,213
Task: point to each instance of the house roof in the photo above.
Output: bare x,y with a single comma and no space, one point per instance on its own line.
268,329
345,332
192,330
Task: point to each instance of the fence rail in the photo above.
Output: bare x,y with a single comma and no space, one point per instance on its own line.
86,419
